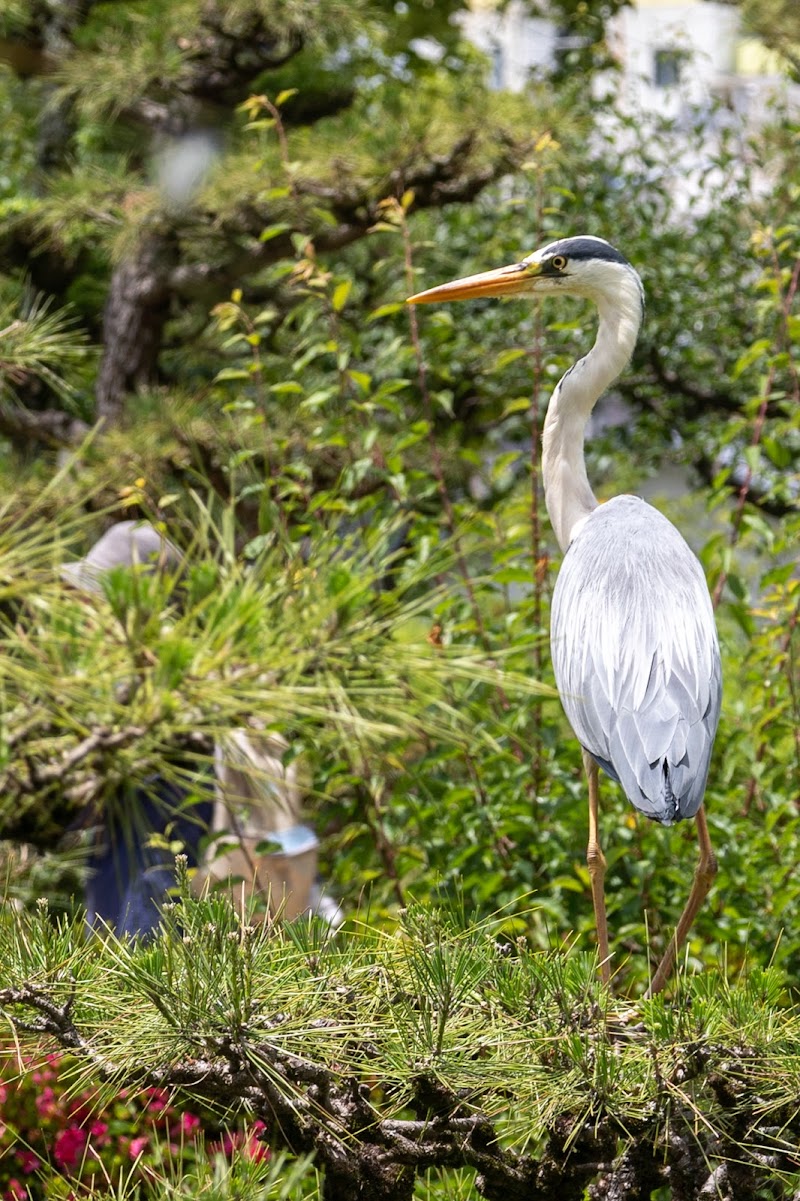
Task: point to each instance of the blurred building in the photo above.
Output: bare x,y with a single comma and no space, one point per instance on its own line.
674,55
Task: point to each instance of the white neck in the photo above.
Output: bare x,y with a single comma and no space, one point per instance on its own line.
567,493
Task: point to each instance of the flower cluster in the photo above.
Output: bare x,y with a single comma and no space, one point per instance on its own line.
49,1131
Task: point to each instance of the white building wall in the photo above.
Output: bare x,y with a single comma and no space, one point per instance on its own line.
517,44
707,32
677,57
703,34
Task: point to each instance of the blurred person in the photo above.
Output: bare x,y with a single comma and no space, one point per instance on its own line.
262,848
134,843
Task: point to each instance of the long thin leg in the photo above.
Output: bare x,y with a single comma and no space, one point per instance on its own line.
704,875
596,863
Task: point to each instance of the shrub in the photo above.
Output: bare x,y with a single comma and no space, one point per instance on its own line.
57,1140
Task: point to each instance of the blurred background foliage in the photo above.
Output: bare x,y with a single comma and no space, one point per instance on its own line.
208,226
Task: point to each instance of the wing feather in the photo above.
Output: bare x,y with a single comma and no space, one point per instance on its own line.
658,731
636,656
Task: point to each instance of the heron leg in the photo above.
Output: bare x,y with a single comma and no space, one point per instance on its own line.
596,863
704,875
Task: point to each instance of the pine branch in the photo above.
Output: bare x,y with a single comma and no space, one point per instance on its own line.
143,285
221,64
131,686
437,180
47,427
323,1040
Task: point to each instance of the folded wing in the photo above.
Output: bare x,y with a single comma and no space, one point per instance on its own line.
636,656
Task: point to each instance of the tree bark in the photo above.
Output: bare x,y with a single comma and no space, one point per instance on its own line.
135,314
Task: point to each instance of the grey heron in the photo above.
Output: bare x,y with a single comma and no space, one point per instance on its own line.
633,638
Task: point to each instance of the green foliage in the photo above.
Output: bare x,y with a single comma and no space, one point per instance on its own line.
325,416
145,48
368,559
439,1016
777,25
42,344
315,640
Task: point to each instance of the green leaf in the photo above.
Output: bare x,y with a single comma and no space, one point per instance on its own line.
362,379
279,193
385,310
286,387
340,295
779,452
512,575
231,373
778,575
520,404
507,356
274,231
317,399
737,586
751,356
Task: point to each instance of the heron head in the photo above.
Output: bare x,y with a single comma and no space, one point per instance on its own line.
582,266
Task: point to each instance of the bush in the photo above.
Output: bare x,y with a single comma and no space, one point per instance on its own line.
59,1140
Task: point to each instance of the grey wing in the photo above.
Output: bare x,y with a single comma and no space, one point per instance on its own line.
636,656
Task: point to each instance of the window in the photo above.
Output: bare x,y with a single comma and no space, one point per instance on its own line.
668,67
498,67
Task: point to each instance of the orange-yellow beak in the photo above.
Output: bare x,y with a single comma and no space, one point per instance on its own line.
505,281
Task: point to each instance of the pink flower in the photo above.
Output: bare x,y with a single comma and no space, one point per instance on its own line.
137,1146
3,1094
46,1102
69,1146
99,1131
255,1148
228,1142
28,1161
157,1099
79,1108
15,1191
189,1123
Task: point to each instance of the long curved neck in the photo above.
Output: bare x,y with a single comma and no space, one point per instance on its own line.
567,492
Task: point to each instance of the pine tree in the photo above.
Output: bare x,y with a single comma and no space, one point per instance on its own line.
147,197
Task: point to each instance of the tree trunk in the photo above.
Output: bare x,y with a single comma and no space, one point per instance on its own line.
133,322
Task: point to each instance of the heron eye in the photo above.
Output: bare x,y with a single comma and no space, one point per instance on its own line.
559,262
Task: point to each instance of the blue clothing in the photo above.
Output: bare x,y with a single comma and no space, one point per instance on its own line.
129,880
